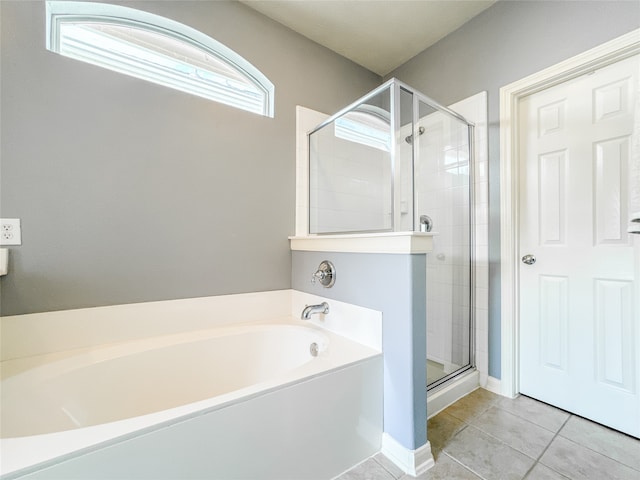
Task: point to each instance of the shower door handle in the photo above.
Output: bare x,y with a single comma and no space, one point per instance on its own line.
529,259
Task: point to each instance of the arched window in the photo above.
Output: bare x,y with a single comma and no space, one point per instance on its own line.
158,50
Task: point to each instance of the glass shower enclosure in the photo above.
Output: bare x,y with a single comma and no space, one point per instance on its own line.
397,161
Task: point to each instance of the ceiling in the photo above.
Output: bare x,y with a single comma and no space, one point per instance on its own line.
380,35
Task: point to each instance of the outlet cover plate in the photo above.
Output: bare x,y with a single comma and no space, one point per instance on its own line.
10,233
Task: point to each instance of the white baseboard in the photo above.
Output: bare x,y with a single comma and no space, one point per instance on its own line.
494,385
412,462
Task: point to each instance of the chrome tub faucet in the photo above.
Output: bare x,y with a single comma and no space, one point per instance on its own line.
311,309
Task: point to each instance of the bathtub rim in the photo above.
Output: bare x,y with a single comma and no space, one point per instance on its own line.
126,429
17,366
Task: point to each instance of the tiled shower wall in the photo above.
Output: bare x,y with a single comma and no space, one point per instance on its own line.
350,190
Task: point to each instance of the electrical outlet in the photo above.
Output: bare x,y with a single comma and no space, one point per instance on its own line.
10,233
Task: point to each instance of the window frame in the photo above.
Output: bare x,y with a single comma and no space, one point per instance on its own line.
59,12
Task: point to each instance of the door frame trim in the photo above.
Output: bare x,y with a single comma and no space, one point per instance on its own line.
510,96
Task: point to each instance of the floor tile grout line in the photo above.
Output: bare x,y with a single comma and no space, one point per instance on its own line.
387,470
520,418
597,451
533,423
558,432
561,475
342,475
502,406
498,440
537,460
463,465
495,403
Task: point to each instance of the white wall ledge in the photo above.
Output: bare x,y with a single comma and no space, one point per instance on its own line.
386,242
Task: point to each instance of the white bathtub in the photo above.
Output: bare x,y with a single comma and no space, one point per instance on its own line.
241,401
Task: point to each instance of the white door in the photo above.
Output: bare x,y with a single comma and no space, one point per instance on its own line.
579,316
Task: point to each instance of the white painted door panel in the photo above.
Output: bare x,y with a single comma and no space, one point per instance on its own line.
579,319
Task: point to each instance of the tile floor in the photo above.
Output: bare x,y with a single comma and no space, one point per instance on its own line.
486,436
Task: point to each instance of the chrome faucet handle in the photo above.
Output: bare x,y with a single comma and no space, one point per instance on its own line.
326,274
319,275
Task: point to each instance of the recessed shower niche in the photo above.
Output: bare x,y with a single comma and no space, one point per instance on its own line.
397,161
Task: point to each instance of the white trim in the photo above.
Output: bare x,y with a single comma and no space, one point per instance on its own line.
412,462
494,385
510,96
388,242
306,120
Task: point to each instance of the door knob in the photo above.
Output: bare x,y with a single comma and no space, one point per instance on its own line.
529,259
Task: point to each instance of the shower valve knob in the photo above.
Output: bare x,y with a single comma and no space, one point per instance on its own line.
326,274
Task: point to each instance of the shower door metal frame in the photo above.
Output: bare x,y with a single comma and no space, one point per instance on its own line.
392,152
417,98
394,85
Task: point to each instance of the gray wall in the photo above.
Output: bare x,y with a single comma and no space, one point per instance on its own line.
505,43
133,192
396,286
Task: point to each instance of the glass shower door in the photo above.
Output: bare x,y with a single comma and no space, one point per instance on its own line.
442,186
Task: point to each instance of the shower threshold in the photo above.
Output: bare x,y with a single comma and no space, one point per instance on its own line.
450,389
